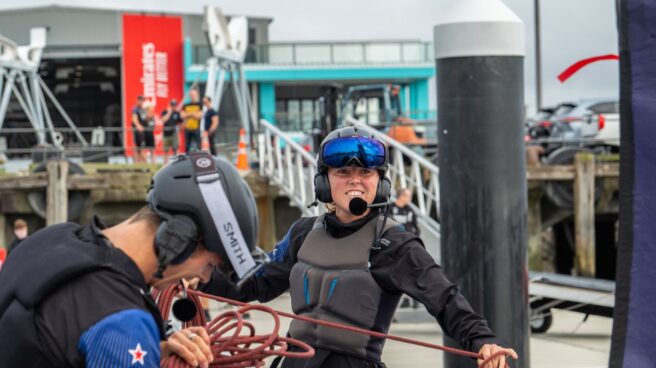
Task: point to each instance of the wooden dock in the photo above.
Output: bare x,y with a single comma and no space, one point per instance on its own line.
114,192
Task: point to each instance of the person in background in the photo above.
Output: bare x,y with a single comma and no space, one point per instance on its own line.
211,120
149,133
404,215
191,114
401,211
171,119
20,232
139,128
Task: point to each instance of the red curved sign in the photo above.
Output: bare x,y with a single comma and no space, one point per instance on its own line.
562,77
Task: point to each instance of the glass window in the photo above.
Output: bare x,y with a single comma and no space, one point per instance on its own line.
281,113
348,53
373,111
293,114
563,109
383,53
307,111
312,54
605,108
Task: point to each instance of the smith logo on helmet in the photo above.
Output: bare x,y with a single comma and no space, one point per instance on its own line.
236,249
203,162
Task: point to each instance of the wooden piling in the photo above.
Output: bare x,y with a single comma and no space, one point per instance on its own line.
584,213
57,192
535,251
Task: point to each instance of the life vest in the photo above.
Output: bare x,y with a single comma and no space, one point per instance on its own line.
47,260
331,281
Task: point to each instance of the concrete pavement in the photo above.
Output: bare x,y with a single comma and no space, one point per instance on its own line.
570,343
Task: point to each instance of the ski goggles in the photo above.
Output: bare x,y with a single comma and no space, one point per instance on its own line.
346,151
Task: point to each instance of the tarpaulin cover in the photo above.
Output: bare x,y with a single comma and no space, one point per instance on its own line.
634,327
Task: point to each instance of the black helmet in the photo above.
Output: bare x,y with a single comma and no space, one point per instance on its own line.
351,146
206,194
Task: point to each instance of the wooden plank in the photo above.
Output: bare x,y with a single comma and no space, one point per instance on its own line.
550,172
568,172
88,181
584,214
607,170
57,192
31,181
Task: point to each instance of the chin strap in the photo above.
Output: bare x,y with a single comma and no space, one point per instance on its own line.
159,274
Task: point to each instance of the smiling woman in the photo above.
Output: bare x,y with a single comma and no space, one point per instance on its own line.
353,268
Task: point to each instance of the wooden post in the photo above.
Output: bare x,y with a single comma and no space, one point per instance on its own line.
267,229
3,231
584,213
57,193
535,247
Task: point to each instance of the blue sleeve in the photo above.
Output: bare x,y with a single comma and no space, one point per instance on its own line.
127,338
279,253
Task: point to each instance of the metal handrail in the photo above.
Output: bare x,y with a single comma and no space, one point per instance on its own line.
421,176
331,53
288,165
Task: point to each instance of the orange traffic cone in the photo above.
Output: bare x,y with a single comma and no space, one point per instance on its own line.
205,142
242,156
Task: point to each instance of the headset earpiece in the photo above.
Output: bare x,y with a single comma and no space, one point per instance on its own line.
383,190
322,188
176,238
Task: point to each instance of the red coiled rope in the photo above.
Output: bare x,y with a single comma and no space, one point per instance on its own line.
232,339
275,313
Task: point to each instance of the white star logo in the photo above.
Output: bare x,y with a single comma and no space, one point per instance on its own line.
137,354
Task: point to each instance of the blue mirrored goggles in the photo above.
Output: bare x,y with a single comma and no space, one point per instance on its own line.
358,150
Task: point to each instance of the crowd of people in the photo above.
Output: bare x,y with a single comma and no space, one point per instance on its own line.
194,120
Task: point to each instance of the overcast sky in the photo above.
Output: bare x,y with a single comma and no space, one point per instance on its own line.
571,30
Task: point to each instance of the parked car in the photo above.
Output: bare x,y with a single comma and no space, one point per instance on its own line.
593,123
596,119
539,126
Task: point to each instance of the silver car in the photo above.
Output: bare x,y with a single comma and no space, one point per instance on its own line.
588,119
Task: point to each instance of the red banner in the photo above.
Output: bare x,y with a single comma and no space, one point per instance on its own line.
152,67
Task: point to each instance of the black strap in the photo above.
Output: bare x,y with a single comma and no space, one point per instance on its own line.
275,362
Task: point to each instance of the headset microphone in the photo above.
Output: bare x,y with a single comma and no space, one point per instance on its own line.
358,206
184,309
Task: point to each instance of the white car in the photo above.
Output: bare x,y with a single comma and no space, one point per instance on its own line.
594,119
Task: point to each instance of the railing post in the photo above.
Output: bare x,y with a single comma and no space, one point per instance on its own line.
584,213
419,185
302,181
290,169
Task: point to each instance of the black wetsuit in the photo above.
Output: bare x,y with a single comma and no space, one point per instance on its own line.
70,299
